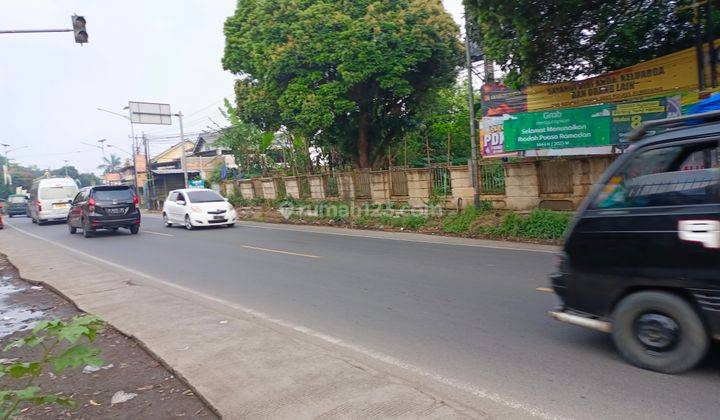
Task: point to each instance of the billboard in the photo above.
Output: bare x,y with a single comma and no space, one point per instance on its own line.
498,99
492,137
628,116
559,129
661,77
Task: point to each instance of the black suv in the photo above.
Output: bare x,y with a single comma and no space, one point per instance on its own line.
642,259
104,207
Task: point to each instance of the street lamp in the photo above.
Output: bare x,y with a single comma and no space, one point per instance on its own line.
65,161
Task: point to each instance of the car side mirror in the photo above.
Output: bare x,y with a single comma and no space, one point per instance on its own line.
180,202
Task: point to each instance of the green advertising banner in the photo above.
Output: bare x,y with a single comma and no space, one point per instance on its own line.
630,115
559,129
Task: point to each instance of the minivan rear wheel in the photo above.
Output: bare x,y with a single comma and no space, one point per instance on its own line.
87,232
659,331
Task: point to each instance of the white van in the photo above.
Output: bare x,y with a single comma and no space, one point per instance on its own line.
50,199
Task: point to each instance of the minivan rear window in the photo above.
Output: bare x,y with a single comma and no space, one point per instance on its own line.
66,192
17,200
114,194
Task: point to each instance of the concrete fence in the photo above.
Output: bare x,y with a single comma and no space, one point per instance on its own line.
557,183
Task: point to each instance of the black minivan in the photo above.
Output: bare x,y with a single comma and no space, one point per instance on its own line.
642,259
104,207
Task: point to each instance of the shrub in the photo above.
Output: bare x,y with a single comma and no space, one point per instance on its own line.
539,224
59,348
238,201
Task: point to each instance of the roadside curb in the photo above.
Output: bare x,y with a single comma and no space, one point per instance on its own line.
235,364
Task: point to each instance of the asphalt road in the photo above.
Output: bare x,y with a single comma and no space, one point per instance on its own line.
467,314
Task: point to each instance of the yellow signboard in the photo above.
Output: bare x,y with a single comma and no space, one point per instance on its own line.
662,76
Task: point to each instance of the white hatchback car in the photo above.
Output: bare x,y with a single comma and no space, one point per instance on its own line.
196,207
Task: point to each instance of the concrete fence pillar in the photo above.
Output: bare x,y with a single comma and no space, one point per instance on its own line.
461,184
346,187
522,189
292,188
317,187
268,188
380,186
246,189
419,187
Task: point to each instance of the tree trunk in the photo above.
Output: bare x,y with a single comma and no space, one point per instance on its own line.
363,142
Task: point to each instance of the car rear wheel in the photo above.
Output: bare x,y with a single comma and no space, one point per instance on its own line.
659,331
87,232
166,220
73,230
188,223
134,229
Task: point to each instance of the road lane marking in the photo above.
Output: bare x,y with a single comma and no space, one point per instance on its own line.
545,289
279,251
156,233
472,389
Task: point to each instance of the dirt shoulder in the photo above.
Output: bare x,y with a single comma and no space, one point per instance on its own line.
128,367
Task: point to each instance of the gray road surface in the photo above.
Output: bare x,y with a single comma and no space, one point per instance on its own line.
467,314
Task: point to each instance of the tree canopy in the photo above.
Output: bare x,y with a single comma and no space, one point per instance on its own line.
110,164
554,40
348,74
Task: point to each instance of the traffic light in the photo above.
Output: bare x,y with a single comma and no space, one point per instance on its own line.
78,23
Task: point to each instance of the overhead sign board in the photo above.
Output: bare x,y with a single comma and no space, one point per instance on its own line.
150,113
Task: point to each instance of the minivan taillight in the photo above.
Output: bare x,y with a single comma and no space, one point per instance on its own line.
38,205
136,200
91,204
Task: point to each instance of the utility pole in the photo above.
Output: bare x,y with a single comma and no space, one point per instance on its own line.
102,147
134,150
65,161
471,109
710,33
150,181
182,149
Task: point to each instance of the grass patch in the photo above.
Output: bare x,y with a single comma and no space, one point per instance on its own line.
461,222
406,222
539,224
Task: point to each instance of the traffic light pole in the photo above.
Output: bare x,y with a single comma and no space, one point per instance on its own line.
78,23
34,31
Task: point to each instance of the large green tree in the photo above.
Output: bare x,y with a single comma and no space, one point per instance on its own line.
342,74
554,40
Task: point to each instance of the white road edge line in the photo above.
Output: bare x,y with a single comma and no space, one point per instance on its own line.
156,233
360,235
398,363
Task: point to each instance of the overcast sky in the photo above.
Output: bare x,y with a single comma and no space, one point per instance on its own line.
158,51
